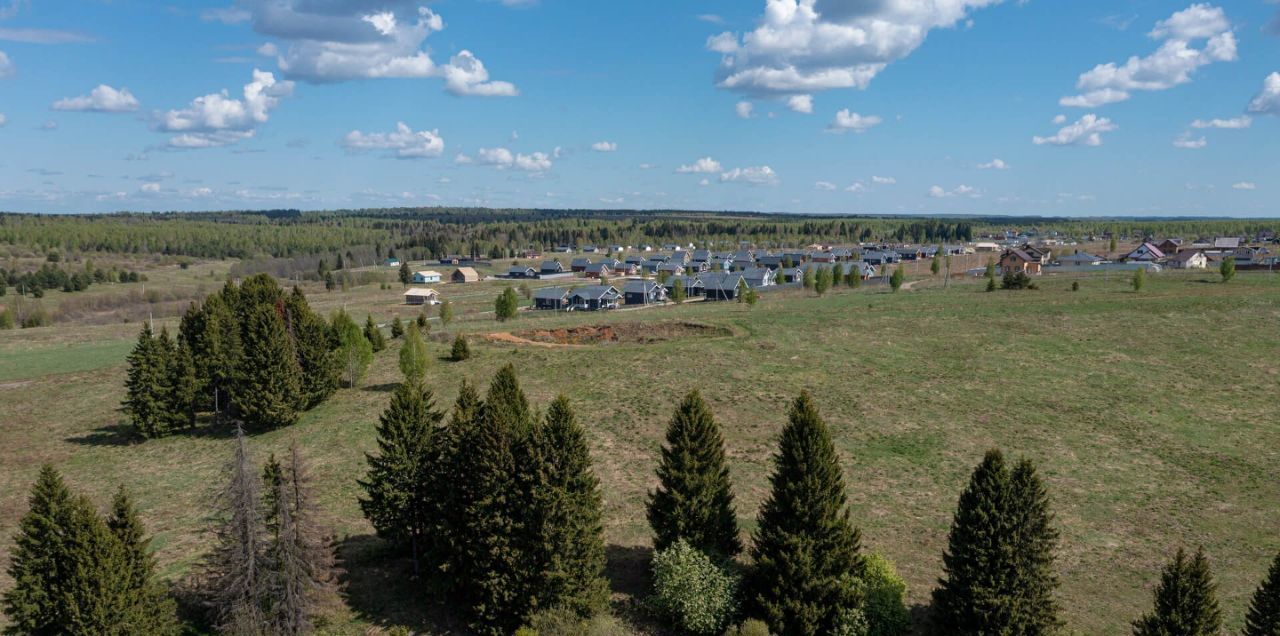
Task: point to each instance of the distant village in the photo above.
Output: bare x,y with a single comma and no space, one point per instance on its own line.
624,275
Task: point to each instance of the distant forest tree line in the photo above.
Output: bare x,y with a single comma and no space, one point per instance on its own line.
434,232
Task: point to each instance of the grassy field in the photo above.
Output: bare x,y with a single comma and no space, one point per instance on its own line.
1151,415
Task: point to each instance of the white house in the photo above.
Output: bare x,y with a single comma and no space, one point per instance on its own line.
427,276
1189,259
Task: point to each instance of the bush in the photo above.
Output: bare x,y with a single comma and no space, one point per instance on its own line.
461,351
691,591
6,319
752,627
1075,285
562,622
1016,280
884,591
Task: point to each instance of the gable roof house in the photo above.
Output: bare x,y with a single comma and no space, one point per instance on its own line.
1080,258
1226,243
701,256
1170,245
864,270
842,253
421,296
594,298
551,267
822,257
635,259
521,271
551,298
789,275
693,285
597,270
1038,253
643,292
1147,253
1189,259
579,264
426,276
464,275
759,276
722,286
1016,260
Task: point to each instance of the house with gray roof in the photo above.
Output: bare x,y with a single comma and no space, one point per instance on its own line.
643,292
551,298
594,298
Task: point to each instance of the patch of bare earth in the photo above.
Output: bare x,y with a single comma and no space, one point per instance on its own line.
621,333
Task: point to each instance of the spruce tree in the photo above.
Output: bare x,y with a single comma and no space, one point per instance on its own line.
96,589
806,548
234,579
399,491
460,350
1263,618
316,345
446,314
1186,601
146,402
37,564
374,335
455,487
182,389
493,578
150,610
694,499
268,389
998,568
397,327
1035,542
564,542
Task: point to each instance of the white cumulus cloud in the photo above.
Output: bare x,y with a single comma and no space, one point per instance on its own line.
1245,185
1170,65
3,120
824,185
883,180
218,119
805,46
102,99
1267,101
857,187
847,120
503,158
404,142
754,175
1086,131
7,69
604,146
743,109
340,40
801,103
938,192
994,164
703,165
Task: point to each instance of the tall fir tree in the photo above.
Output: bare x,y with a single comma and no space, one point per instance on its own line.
806,548
399,490
564,532
146,399
95,593
492,577
694,499
998,568
268,389
316,345
1036,542
182,388
37,564
1186,602
1263,618
150,608
456,488
235,584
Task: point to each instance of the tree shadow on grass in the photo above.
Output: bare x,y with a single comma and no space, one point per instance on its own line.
380,588
381,388
627,569
122,434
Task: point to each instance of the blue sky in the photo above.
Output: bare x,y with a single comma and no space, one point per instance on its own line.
1119,107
